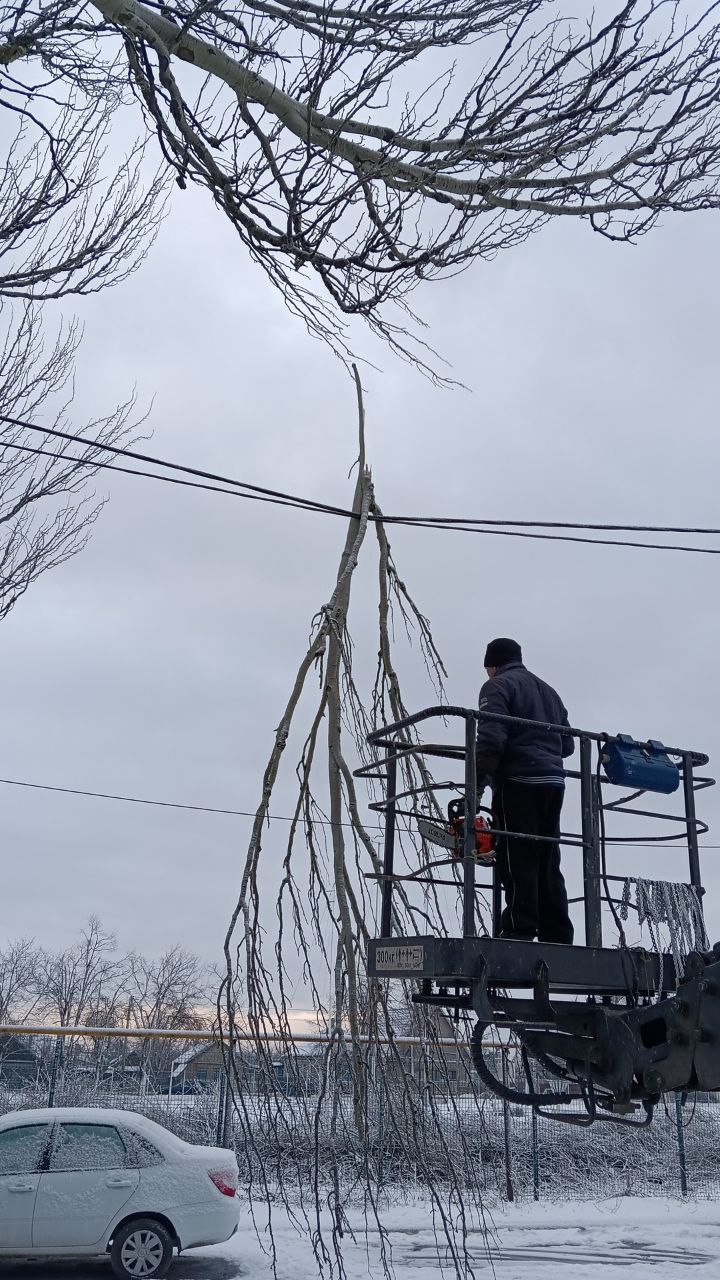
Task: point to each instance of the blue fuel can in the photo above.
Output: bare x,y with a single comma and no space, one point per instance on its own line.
628,764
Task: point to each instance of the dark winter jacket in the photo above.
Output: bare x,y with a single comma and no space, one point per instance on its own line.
515,751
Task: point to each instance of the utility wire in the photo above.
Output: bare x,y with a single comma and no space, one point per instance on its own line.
241,488
168,804
442,524
151,475
120,451
233,813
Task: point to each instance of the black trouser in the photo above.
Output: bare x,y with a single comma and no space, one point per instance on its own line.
529,869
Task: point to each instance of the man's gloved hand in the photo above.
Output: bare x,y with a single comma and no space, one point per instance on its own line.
485,766
482,783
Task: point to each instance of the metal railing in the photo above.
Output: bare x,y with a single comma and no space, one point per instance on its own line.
398,745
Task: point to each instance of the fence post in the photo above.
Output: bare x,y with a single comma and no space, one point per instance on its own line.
228,1134
57,1061
221,1104
535,1156
681,1144
381,1132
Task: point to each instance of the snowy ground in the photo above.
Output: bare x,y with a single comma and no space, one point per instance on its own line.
645,1239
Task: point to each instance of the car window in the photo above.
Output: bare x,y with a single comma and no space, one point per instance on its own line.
88,1146
144,1154
22,1148
159,1135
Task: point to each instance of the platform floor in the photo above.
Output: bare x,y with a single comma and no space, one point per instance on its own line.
512,964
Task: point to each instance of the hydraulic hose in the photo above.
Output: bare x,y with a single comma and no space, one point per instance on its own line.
504,1091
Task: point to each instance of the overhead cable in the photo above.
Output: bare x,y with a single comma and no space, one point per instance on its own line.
245,489
204,808
165,804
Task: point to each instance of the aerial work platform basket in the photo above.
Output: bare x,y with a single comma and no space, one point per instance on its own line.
620,1024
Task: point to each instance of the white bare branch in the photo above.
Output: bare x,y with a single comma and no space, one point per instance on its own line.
47,500
358,149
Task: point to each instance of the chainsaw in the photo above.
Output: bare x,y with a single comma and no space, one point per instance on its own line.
452,836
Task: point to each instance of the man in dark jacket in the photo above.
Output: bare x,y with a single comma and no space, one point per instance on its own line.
525,767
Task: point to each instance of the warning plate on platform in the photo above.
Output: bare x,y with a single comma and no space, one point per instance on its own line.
404,958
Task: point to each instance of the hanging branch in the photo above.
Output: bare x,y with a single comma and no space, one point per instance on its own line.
322,895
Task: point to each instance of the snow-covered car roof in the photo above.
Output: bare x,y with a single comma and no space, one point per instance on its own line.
94,1115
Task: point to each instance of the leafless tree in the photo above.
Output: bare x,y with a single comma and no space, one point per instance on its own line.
47,500
167,991
92,983
72,219
171,991
361,147
18,963
73,983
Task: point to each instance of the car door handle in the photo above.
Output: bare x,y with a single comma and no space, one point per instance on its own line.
119,1182
17,1187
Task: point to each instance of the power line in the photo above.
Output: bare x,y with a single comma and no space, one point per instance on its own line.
148,475
551,537
442,523
165,804
233,813
196,472
241,488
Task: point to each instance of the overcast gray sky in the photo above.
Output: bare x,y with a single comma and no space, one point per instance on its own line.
157,662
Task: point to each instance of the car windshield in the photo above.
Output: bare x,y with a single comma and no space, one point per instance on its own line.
21,1148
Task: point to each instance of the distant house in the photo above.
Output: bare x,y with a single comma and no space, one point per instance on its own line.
200,1066
292,1075
436,1059
125,1073
18,1064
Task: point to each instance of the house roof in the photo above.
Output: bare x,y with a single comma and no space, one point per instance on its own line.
12,1047
196,1051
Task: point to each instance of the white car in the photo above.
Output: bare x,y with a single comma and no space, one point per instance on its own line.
86,1181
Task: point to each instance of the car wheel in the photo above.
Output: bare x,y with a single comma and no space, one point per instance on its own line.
142,1248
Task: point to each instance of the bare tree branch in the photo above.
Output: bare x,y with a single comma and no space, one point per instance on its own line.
358,149
18,968
372,145
69,983
70,222
47,503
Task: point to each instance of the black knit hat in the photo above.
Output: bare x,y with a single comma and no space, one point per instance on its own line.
501,651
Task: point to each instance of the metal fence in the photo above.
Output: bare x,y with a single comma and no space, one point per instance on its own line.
511,1152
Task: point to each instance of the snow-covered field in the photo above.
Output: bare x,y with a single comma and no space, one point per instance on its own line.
613,1240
